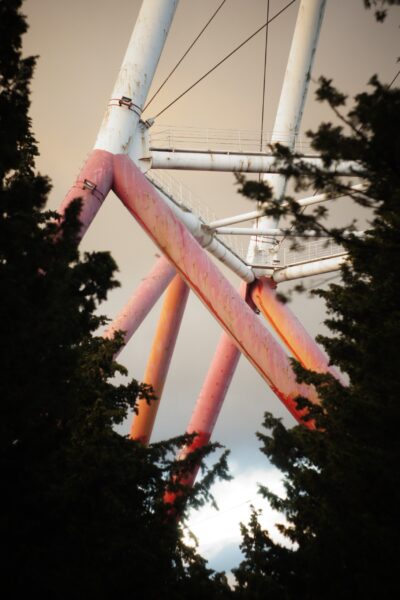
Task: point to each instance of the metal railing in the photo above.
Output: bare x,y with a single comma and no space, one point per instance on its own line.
184,197
289,252
181,194
309,250
224,140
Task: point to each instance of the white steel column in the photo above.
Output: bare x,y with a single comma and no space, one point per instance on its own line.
120,122
135,76
293,95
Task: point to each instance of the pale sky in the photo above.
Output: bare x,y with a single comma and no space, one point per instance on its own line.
81,44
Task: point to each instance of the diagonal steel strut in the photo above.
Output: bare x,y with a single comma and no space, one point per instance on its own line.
208,283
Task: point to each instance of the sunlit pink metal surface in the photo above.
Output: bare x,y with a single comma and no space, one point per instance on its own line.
189,477
289,328
142,300
160,357
215,386
211,399
92,186
212,395
218,295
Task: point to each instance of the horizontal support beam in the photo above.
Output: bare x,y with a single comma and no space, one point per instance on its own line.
267,232
308,269
259,231
249,216
221,299
245,163
256,214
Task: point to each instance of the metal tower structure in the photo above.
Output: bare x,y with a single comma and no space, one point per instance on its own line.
124,157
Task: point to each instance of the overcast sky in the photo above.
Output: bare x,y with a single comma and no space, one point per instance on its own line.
81,44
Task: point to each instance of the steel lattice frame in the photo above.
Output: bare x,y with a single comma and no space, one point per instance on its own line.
116,163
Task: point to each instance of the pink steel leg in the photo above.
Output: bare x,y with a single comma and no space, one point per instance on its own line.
215,388
160,357
201,274
210,400
142,300
92,186
212,395
209,404
289,328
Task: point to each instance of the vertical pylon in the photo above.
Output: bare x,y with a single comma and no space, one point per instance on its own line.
120,123
292,99
160,357
135,75
91,186
214,389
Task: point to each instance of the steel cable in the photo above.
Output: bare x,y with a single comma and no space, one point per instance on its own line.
225,58
185,54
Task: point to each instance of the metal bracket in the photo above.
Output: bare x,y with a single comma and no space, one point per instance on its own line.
127,102
86,184
89,185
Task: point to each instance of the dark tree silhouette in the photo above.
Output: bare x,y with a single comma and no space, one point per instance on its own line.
342,479
83,511
380,7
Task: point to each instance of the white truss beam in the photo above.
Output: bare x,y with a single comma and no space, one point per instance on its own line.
308,269
249,216
243,163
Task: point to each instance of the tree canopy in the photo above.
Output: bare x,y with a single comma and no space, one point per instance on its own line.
380,7
83,506
342,479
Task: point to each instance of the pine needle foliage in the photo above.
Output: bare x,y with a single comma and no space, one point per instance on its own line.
342,479
83,513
